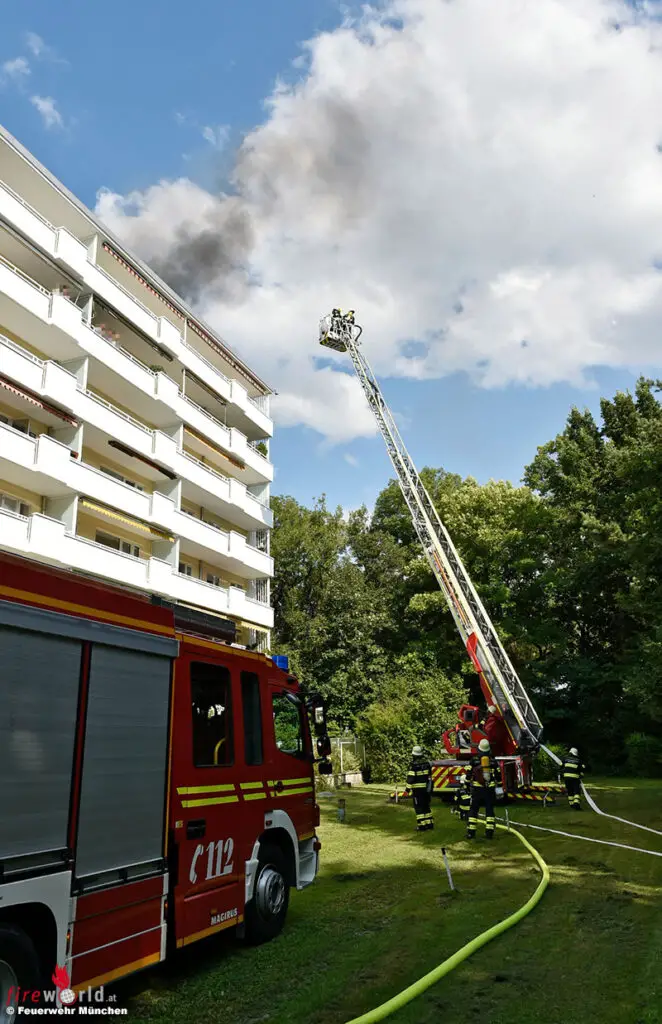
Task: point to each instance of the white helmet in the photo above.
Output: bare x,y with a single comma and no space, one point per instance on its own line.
484,746
417,751
492,709
574,752
463,779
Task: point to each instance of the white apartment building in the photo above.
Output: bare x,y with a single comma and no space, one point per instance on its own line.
134,445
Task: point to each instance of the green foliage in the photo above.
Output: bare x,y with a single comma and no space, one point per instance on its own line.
545,768
569,567
644,755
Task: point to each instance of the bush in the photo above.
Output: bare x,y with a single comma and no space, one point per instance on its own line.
644,755
388,734
544,768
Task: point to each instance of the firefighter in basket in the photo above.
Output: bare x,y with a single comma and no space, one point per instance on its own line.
483,790
462,798
419,781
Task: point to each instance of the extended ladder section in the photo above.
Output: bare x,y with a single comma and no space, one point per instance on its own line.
477,631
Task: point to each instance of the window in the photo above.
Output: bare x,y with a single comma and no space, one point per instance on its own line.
117,544
22,425
287,726
122,479
214,580
185,569
211,715
11,504
250,698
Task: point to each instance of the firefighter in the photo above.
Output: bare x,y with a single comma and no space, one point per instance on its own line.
483,787
572,771
419,781
463,798
349,316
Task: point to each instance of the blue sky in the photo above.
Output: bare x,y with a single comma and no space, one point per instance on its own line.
135,87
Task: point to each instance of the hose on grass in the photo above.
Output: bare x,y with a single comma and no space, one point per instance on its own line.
586,839
594,807
424,983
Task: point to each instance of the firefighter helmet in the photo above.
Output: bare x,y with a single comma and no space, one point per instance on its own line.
484,746
417,751
574,752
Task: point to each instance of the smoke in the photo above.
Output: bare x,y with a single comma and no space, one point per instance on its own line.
210,260
482,179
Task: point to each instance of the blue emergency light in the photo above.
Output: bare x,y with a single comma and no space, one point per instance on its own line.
281,661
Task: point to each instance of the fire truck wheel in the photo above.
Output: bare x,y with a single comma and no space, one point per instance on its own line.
267,910
19,965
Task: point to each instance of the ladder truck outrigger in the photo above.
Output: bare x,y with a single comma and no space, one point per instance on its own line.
512,725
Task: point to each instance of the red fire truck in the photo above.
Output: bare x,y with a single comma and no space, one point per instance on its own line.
157,781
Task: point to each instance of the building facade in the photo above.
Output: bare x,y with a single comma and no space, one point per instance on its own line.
134,445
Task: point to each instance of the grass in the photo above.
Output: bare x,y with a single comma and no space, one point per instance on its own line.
381,915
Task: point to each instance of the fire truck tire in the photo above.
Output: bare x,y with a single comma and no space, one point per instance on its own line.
267,910
19,964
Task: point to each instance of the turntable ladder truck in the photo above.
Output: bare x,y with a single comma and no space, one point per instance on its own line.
513,726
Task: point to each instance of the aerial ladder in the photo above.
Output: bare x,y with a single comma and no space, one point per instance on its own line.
512,724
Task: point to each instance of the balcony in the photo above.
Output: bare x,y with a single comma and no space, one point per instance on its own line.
205,538
63,247
26,219
223,495
42,376
225,601
47,539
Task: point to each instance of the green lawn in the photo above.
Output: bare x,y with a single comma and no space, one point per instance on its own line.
380,916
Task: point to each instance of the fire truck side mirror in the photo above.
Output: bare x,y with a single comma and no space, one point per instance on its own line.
317,711
323,746
325,767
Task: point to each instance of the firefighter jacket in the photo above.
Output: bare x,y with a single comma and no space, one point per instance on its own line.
572,767
463,796
483,772
418,775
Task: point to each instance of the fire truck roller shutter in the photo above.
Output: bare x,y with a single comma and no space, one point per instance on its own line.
122,802
39,679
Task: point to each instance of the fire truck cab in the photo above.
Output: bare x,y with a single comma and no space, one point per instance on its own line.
157,782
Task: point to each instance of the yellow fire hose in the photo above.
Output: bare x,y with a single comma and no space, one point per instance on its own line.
420,986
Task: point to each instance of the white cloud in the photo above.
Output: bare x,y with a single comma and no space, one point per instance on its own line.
217,137
35,44
485,179
16,70
50,115
39,49
351,460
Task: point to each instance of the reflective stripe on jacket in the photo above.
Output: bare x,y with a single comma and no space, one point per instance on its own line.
478,780
418,774
572,768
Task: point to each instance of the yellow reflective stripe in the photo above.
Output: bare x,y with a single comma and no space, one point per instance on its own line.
293,792
226,788
251,785
255,796
296,782
213,800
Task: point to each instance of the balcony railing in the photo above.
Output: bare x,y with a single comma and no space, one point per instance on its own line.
254,446
31,209
205,361
26,277
118,412
121,287
205,412
203,465
8,343
260,402
124,351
